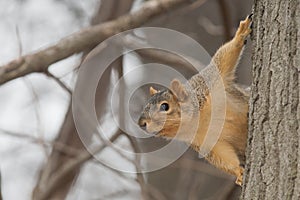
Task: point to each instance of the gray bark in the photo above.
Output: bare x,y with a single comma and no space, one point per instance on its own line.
273,152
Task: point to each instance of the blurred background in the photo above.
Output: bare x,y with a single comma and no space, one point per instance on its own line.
38,138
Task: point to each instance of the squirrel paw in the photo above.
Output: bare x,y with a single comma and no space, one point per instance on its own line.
239,181
244,29
239,178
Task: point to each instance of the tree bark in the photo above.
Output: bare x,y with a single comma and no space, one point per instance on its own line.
273,152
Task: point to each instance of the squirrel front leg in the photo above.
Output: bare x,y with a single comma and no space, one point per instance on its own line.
227,56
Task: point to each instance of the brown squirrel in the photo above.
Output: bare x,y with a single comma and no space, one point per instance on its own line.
171,109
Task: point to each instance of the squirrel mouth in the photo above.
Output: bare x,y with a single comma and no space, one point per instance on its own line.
159,133
154,133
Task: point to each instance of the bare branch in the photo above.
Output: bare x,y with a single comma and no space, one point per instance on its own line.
115,171
72,164
226,19
139,176
19,135
164,57
36,101
120,153
89,37
68,133
63,148
209,27
19,41
148,191
114,194
59,82
193,6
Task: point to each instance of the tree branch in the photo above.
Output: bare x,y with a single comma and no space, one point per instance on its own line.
59,82
227,24
68,134
72,164
161,56
78,42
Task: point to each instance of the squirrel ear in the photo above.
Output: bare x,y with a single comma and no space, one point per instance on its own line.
152,91
179,90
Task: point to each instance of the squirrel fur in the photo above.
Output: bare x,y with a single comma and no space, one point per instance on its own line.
174,109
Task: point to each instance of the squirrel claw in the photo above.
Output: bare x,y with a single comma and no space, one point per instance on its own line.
250,16
239,182
244,29
239,178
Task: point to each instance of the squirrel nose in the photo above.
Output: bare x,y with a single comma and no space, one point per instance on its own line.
143,126
142,123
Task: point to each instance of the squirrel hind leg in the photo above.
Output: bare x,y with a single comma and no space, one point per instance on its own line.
224,157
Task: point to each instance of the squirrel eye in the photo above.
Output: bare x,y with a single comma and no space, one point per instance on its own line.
164,107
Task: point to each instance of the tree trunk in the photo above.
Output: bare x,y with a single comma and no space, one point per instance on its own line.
273,152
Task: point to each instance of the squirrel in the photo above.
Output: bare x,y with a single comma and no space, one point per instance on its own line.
170,109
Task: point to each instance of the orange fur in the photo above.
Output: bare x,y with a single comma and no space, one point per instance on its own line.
228,151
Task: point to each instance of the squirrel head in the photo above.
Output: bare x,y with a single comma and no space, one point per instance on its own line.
163,114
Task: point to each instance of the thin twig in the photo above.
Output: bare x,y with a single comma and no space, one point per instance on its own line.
67,133
115,171
20,47
164,57
59,82
209,27
113,195
226,19
139,176
60,147
155,193
105,142
72,164
195,5
147,189
39,124
18,135
63,148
